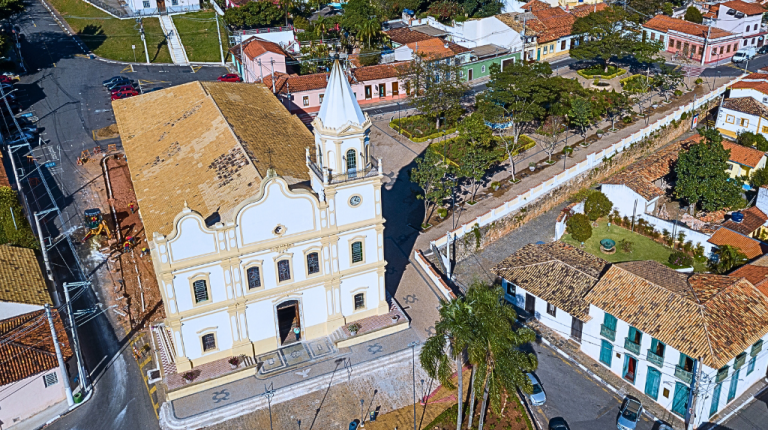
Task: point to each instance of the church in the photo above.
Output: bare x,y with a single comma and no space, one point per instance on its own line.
262,234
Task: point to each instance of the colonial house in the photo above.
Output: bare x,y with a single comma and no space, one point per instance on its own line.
737,115
689,40
263,235
433,49
31,375
738,17
474,32
256,58
155,7
743,160
754,85
667,333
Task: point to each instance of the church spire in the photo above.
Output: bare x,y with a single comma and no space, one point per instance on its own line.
339,104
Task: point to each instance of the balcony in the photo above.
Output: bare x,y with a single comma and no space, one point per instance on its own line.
607,332
740,360
756,348
655,359
371,170
683,375
632,347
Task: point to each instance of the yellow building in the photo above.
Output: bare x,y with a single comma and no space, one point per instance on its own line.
743,161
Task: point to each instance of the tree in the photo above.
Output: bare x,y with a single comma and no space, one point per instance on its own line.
579,227
702,175
759,178
10,7
646,7
551,130
667,81
597,206
474,164
753,140
617,105
286,6
481,8
453,333
726,258
667,8
444,10
369,57
581,115
435,87
428,174
254,14
611,33
693,15
515,97
639,87
357,13
368,29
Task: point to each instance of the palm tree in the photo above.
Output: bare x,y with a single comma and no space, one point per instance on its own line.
499,364
369,28
321,27
286,6
454,330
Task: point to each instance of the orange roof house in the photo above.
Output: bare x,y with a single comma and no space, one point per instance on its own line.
750,247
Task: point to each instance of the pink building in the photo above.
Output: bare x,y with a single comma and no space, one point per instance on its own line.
690,40
304,94
256,58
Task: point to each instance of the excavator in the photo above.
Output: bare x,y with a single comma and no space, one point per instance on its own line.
95,224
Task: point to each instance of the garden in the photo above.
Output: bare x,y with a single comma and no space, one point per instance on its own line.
14,229
420,128
598,71
197,32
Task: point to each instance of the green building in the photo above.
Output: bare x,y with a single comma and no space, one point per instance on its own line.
481,58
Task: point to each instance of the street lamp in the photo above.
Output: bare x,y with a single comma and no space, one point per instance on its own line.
412,345
566,151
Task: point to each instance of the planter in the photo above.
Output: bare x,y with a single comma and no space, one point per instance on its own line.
531,168
353,333
233,366
395,318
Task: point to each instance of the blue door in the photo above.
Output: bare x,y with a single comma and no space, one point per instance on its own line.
715,400
606,353
680,401
652,383
734,385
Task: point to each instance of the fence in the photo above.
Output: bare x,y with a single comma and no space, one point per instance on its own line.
593,160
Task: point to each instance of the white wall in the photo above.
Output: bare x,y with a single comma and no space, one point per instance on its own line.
749,92
561,322
694,236
737,25
193,328
624,199
25,398
754,124
10,310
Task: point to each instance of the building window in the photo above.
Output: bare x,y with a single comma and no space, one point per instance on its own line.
545,49
714,51
305,100
482,69
730,119
735,46
511,289
551,309
744,122
728,49
321,98
200,287
657,347
747,29
254,277
671,43
53,378
678,45
653,36
745,42
174,2
721,50
209,342
751,365
283,270
146,5
359,301
357,252
313,263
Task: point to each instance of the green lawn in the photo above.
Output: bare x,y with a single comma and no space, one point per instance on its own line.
198,35
644,248
112,38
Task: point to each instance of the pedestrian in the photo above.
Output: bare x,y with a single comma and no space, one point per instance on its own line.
144,251
296,332
132,207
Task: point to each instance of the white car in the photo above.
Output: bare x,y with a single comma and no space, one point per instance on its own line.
631,410
538,396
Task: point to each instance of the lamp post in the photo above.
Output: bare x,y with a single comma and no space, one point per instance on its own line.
412,345
566,151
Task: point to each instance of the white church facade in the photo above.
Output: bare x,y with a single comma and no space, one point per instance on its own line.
262,235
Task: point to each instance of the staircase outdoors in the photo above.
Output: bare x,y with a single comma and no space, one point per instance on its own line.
178,54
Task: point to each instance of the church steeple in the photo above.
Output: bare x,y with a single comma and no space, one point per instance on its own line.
339,104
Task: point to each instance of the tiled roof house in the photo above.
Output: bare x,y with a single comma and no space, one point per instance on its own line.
688,39
256,58
745,113
743,160
22,286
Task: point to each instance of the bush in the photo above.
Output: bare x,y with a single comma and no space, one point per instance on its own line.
627,119
678,93
698,81
579,227
626,246
597,206
754,140
680,259
693,15
442,212
14,229
369,57
684,116
582,195
301,23
597,71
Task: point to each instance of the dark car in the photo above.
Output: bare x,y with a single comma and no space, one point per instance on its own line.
114,79
153,90
558,423
119,84
229,77
763,50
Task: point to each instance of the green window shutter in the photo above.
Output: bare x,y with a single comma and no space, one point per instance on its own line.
722,373
606,352
610,321
680,400
652,383
683,357
715,400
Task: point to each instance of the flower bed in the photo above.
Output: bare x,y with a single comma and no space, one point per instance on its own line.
419,128
597,71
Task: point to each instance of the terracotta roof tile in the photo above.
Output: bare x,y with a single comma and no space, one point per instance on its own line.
557,272
665,23
744,7
405,36
741,154
640,176
285,83
21,279
586,9
714,317
33,352
381,71
757,275
760,86
754,218
255,47
746,105
750,247
535,5
432,48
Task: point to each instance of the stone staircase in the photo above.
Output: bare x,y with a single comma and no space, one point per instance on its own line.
178,54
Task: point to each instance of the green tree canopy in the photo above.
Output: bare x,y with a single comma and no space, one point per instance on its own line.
428,174
693,15
753,140
726,259
667,8
759,178
254,14
579,227
597,206
435,87
612,33
702,177
581,114
357,13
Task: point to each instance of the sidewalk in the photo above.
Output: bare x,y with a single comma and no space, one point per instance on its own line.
736,405
178,54
42,419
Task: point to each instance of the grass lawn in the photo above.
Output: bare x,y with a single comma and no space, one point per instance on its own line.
112,38
198,35
644,248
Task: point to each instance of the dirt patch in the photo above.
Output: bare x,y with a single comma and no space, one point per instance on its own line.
108,132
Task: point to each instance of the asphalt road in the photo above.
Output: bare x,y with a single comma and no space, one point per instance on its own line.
753,417
64,91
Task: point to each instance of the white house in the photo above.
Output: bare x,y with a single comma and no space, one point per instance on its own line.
476,32
154,7
263,235
666,333
739,17
754,85
737,115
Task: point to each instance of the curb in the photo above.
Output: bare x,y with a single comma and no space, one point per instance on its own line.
75,406
742,406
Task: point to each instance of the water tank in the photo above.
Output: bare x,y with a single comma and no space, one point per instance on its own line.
737,217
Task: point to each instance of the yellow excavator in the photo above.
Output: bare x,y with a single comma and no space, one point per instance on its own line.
95,224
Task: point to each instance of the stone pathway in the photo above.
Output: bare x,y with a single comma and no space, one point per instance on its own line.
178,54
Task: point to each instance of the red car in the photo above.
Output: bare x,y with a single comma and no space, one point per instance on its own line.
229,77
124,94
123,88
6,80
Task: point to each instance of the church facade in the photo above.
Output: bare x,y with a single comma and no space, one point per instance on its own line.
284,256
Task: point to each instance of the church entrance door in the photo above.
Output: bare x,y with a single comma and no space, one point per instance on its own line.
289,322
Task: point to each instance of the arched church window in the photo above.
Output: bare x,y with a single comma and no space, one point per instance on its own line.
313,263
351,163
254,277
319,153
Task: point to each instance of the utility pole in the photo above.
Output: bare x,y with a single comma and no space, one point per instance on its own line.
690,412
83,375
412,345
218,32
144,39
43,248
59,357
706,40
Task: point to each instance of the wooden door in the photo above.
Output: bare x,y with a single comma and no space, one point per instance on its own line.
469,75
395,89
530,304
576,328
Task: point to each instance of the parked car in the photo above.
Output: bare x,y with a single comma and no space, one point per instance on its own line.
123,88
558,423
124,94
537,396
763,50
114,79
229,77
152,90
118,84
630,409
7,80
744,54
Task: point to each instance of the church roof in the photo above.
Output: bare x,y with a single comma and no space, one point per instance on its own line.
339,104
208,144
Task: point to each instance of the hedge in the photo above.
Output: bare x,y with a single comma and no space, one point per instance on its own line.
407,134
14,229
601,76
630,78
